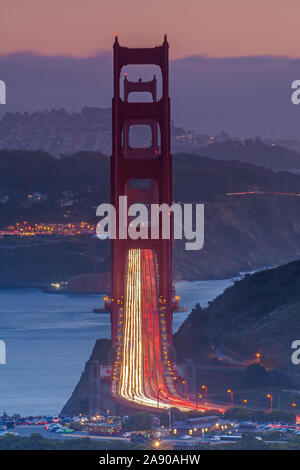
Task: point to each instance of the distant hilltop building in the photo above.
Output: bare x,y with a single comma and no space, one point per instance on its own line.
35,198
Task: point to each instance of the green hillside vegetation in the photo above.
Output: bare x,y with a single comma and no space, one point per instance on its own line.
258,313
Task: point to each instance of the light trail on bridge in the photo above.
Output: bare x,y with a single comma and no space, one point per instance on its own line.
143,371
131,384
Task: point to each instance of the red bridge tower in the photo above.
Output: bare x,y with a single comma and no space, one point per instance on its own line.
144,175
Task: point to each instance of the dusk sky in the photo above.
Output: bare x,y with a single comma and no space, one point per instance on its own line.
232,62
216,28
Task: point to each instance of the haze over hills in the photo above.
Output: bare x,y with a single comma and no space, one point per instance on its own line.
61,132
246,96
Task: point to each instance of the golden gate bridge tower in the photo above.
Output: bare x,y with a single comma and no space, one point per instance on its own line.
152,166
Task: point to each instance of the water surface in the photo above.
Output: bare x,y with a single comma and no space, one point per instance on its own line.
49,337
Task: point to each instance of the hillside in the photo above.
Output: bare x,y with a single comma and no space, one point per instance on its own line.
255,152
243,232
195,178
258,313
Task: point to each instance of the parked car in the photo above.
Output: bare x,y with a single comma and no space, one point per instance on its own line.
68,430
8,424
54,428
59,430
139,437
67,420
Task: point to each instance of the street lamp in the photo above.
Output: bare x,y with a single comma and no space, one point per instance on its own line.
198,396
258,357
293,405
186,387
205,388
231,396
271,401
244,402
158,393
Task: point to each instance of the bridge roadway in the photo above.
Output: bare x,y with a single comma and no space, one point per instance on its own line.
143,373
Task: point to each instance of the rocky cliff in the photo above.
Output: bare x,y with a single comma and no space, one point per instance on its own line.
79,400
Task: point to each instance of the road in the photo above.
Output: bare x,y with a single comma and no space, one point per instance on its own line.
143,372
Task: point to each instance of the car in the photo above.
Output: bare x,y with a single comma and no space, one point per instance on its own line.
68,430
185,437
49,427
207,440
67,420
59,430
9,424
63,430
55,428
227,437
141,438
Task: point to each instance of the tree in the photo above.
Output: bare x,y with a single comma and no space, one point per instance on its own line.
256,376
244,414
139,421
281,416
